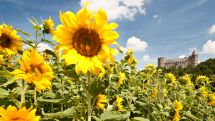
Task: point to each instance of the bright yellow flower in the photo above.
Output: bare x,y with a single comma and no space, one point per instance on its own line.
186,79
48,26
178,105
212,100
204,91
202,80
101,101
122,77
150,69
155,91
131,60
176,116
10,42
119,48
85,38
119,103
34,70
165,92
170,77
14,114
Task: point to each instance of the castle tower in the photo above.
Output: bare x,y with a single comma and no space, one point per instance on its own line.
194,58
161,62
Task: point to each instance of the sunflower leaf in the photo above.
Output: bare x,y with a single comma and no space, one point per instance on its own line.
47,41
3,93
114,116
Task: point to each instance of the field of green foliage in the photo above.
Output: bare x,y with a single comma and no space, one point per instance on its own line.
79,79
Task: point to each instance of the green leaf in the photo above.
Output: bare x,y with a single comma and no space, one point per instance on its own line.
35,20
28,42
114,116
97,87
166,113
190,115
10,81
160,106
96,118
49,94
50,52
23,32
3,93
70,71
5,73
36,28
69,113
139,119
47,41
32,22
55,100
50,100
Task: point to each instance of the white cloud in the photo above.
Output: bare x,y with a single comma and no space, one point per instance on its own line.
117,9
200,2
43,46
149,60
209,47
155,16
212,29
146,58
136,44
182,56
158,18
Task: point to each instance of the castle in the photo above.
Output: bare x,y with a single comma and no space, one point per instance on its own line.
179,62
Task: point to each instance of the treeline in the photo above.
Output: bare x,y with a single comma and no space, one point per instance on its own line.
206,68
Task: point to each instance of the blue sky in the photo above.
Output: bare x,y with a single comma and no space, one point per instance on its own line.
153,28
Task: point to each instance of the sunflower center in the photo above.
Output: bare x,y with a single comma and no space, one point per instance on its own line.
16,118
86,42
34,69
5,41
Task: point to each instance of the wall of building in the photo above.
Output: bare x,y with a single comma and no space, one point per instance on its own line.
179,62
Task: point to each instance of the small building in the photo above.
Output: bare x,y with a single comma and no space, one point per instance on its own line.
179,62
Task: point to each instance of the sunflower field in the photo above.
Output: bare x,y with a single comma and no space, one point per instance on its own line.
79,80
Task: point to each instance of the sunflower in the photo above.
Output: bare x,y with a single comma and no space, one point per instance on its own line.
176,116
186,79
100,101
204,91
10,42
48,26
14,114
150,69
85,38
119,103
202,80
122,77
178,105
212,99
165,92
130,59
170,78
34,70
154,91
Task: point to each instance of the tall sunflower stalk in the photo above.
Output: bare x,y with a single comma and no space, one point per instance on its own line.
89,98
85,38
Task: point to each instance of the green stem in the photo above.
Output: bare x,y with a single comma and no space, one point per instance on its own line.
52,107
62,90
23,90
35,97
89,107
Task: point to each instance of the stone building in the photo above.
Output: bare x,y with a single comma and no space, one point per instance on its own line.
183,62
